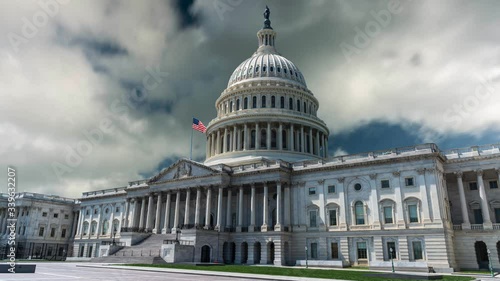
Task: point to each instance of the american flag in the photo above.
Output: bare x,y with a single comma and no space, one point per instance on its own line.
198,125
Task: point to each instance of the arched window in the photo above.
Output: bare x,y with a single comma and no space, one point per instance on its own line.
228,142
242,139
263,105
263,138
252,139
305,106
284,139
298,105
245,103
116,224
231,106
264,68
85,228
282,102
359,213
93,227
257,68
273,101
279,69
105,227
238,104
412,207
254,102
290,103
273,139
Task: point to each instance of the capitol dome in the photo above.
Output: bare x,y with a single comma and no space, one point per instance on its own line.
266,111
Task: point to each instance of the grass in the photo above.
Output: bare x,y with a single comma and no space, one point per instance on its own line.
295,272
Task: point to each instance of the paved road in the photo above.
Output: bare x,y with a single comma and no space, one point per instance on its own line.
69,271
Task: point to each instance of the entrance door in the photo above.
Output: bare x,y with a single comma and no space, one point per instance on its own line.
481,255
205,253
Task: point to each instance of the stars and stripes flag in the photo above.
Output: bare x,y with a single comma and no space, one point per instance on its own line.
198,125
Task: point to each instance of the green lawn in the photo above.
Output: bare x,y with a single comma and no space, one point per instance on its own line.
296,272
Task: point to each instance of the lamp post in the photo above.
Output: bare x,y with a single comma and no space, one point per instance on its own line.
217,253
306,258
392,258
114,235
489,263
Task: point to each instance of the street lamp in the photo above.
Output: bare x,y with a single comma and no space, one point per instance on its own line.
114,235
217,253
306,258
489,263
392,258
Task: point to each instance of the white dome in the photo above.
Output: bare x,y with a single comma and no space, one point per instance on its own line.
266,65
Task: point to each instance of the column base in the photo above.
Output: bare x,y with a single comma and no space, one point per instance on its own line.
207,227
251,228
156,231
465,225
278,227
165,231
238,229
263,228
174,230
487,225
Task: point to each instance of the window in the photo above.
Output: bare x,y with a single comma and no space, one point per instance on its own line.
357,187
312,190
95,211
44,214
493,184
66,216
274,139
56,215
87,212
271,68
254,102
331,189
257,68
105,227
305,107
417,250
85,228
334,247
298,105
359,213
252,139
273,101
497,215
391,246
473,185
41,230
290,103
388,215
362,254
263,138
263,105
412,213
333,217
282,102
245,103
478,216
385,184
409,181
238,104
312,219
264,68
231,106
284,139
52,232
63,233
314,250
117,209
93,228
279,69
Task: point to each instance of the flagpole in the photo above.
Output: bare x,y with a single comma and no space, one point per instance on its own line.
191,148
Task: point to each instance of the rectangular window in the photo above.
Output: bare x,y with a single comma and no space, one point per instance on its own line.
333,217
335,250
52,232
388,215
497,215
493,184
412,212
362,254
312,190
478,216
117,209
40,231
314,250
391,250
473,185
56,215
63,233
385,183
66,216
417,250
312,219
44,214
331,189
409,181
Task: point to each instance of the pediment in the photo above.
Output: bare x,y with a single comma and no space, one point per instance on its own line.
183,169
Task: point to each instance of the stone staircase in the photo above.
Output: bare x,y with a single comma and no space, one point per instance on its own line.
147,251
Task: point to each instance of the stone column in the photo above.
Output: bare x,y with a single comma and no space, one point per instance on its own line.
186,210
111,219
268,135
177,210
197,207
245,137
126,213
484,201
240,209
219,209
158,215
74,225
149,217
287,206
213,144
302,139
326,146
463,202
317,143
217,146
280,136
257,136
166,226
80,222
400,219
224,145
426,218
311,140
234,138
374,201
251,228
292,136
90,221
207,210
143,209
265,221
99,221
207,148
228,211
277,227
133,220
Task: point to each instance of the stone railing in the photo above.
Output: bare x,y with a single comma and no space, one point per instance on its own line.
496,226
104,192
136,229
457,227
476,226
472,151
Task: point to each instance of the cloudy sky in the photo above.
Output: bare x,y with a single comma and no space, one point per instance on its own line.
94,94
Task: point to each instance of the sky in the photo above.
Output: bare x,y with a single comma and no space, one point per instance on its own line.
97,93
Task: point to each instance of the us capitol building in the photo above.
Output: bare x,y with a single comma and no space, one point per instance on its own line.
269,193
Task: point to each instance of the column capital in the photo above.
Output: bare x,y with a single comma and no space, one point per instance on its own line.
373,176
479,172
341,179
396,173
321,181
459,174
421,171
